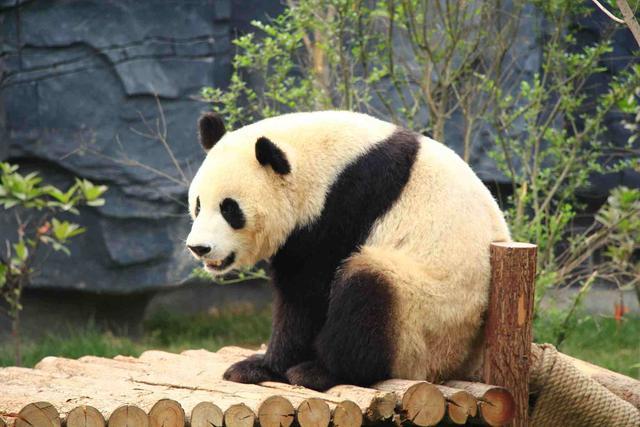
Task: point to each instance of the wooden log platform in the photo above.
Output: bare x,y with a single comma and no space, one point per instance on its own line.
175,390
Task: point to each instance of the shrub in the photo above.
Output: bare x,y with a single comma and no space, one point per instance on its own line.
36,206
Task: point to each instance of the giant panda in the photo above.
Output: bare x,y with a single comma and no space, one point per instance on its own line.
378,241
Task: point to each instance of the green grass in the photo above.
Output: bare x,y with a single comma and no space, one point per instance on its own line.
163,331
600,340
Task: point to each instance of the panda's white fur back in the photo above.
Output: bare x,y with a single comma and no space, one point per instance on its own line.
438,235
429,247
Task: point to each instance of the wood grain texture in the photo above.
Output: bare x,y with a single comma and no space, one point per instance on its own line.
496,406
461,405
166,413
276,411
421,403
128,416
84,416
41,414
507,339
206,414
239,415
347,414
313,412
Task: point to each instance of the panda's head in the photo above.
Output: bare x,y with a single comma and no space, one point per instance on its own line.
240,198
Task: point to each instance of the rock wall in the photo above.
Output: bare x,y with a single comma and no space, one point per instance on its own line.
105,90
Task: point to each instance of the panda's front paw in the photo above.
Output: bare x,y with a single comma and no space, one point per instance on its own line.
251,371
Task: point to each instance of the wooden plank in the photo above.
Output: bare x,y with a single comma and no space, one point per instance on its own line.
507,328
376,405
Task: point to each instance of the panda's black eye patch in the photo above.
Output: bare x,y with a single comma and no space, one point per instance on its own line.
197,210
232,213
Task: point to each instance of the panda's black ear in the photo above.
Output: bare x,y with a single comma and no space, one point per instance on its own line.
211,129
268,153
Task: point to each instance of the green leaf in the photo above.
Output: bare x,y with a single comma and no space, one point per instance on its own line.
21,250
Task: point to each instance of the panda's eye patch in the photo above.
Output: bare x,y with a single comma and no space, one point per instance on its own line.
197,210
232,213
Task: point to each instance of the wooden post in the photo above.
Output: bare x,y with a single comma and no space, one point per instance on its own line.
507,344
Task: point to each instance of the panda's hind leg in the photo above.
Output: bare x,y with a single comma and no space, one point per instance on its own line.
356,343
390,316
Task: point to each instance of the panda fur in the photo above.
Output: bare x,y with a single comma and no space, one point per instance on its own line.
378,240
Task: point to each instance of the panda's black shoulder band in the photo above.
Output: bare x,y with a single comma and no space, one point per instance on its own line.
268,153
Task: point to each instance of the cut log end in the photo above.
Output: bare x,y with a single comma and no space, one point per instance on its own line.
239,415
423,404
128,416
313,412
38,414
382,407
496,404
497,407
166,413
347,414
85,416
276,411
461,405
206,414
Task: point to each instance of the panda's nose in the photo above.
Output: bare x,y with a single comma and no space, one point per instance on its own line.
200,250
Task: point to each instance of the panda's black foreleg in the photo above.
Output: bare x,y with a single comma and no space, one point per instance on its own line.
294,326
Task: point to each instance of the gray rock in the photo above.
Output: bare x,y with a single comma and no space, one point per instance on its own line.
85,86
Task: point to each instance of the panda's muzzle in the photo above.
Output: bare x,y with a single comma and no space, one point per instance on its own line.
220,264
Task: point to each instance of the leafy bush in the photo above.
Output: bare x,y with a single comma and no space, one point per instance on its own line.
35,206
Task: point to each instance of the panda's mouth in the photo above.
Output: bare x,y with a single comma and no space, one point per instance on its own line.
220,265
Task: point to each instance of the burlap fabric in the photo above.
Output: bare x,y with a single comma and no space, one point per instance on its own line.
567,397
